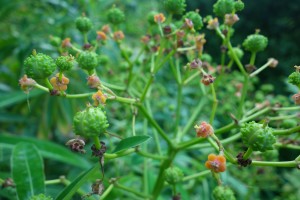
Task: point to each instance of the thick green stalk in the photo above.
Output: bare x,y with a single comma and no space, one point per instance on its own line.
48,84
287,131
133,191
275,164
97,142
215,104
248,153
107,191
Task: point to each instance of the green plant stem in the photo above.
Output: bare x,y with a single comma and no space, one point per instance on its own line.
282,117
287,131
288,146
75,96
160,178
120,154
261,68
133,191
107,191
144,93
85,38
186,81
215,104
248,153
53,182
275,164
178,108
156,126
48,84
243,97
186,48
153,156
236,59
293,108
97,142
112,86
252,58
124,100
41,87
198,175
184,145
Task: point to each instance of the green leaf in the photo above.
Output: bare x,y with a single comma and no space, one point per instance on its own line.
47,150
71,189
131,142
27,170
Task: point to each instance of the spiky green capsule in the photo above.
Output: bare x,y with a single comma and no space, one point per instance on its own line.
150,17
87,60
195,18
90,122
174,6
173,175
255,43
115,16
294,78
222,7
258,137
237,51
239,5
83,24
223,193
39,66
40,197
64,63
55,41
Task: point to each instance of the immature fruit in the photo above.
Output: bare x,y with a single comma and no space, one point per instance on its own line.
115,16
90,122
195,18
173,175
83,24
223,193
87,60
222,7
40,197
255,42
258,137
150,17
239,5
64,63
39,66
175,6
294,78
238,52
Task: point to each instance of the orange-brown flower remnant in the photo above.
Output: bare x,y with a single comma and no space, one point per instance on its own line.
231,19
101,35
66,43
93,81
159,18
105,29
213,24
118,36
216,163
99,98
207,79
296,98
26,83
200,41
204,129
60,85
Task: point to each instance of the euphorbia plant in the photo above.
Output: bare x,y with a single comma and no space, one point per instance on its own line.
174,50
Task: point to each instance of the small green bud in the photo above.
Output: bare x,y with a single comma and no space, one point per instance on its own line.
103,59
222,7
64,63
150,17
238,52
206,58
87,60
39,66
90,122
173,175
223,193
40,197
195,18
55,41
255,42
294,78
83,24
115,16
258,137
239,5
175,6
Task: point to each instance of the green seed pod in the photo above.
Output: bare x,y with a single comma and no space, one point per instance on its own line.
255,42
239,5
195,18
55,41
87,60
83,24
175,6
206,58
222,7
150,17
39,66
257,137
294,78
115,16
238,52
64,63
90,122
173,175
223,193
40,197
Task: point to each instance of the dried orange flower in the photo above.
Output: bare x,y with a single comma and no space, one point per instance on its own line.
159,18
213,24
216,163
59,85
200,41
101,35
146,39
204,130
26,83
119,35
98,98
231,19
66,43
296,98
207,79
105,29
93,81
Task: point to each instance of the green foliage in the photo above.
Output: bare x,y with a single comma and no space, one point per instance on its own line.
257,137
83,24
239,5
174,6
255,42
195,18
173,175
222,7
294,78
87,60
115,16
64,63
40,197
223,193
130,142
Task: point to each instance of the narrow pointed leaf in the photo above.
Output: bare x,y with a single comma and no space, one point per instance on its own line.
131,142
27,170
